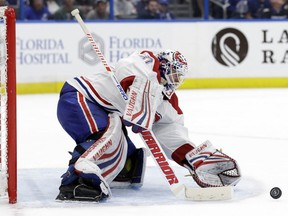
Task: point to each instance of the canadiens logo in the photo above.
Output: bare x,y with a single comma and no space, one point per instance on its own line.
147,59
179,57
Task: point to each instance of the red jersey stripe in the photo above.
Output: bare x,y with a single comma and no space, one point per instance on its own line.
95,92
87,113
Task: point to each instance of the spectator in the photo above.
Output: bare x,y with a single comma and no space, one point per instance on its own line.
258,9
141,7
198,8
84,5
152,11
3,3
124,9
164,10
238,9
64,12
52,6
37,10
84,2
232,8
99,10
12,2
279,9
267,9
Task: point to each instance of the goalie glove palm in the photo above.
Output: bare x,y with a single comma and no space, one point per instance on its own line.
212,168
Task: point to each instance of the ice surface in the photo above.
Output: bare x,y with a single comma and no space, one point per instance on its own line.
248,124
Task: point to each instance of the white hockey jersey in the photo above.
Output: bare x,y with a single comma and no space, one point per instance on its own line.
168,127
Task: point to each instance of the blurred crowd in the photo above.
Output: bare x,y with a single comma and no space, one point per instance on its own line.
148,9
252,9
91,9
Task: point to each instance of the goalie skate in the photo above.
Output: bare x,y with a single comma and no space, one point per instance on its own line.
82,192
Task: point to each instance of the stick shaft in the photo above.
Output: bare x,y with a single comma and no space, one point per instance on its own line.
102,58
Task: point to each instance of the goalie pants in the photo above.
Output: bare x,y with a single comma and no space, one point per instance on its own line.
84,120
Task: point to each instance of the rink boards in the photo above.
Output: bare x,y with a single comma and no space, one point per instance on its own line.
220,54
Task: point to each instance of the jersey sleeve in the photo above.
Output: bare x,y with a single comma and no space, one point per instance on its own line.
170,130
171,137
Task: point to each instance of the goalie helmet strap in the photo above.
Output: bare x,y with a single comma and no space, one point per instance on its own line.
179,154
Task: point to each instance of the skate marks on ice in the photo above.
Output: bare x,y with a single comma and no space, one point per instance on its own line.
38,188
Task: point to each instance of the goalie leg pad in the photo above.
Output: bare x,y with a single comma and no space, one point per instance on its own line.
212,168
109,152
98,162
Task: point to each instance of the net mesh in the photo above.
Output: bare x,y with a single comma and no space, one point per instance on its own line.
3,104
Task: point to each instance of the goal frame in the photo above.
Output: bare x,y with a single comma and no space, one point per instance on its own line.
11,144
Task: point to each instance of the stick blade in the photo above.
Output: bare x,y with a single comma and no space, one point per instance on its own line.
178,189
210,193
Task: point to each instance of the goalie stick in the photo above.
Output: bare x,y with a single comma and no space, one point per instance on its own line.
178,189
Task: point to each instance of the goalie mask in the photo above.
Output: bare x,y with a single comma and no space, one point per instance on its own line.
173,69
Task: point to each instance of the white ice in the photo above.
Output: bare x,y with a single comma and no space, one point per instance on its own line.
248,124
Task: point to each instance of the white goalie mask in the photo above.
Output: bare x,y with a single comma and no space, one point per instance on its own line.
173,69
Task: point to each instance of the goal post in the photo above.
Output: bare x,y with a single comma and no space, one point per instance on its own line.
8,151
